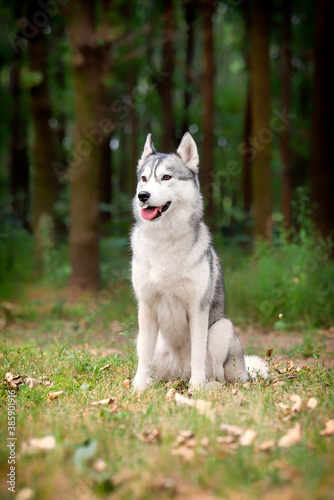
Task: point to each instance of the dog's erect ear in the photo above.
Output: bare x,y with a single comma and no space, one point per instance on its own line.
188,152
149,148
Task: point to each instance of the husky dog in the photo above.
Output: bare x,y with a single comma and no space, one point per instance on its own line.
178,280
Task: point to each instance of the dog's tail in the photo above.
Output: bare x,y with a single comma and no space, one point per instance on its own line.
256,367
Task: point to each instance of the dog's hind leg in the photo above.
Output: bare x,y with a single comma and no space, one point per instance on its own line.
225,357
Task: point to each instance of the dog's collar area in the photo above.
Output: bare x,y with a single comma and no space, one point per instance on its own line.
152,213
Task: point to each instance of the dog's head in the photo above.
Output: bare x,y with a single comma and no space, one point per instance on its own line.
166,182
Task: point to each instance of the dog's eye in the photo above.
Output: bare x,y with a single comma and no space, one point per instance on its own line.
166,177
144,179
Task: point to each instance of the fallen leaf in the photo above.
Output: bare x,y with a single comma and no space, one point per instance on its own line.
126,383
186,438
45,443
185,452
152,436
203,407
269,353
183,400
297,400
232,430
25,494
267,445
14,381
54,395
312,403
225,439
31,382
107,402
205,442
105,367
100,465
329,429
248,437
293,436
170,396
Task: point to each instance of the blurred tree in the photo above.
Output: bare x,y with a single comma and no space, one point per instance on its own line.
89,62
262,134
190,9
286,99
165,84
322,171
208,8
19,162
44,147
247,131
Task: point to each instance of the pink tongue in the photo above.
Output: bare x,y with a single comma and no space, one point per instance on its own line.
150,212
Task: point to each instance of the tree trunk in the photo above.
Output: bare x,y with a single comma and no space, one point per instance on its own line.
44,148
247,133
208,119
19,162
262,134
87,60
286,98
321,167
190,15
166,84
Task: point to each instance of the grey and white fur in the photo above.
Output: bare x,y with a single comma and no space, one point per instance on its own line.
178,280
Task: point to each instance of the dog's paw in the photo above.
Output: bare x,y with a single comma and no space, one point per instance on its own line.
141,383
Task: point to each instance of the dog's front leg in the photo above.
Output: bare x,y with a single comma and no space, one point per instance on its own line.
147,338
198,323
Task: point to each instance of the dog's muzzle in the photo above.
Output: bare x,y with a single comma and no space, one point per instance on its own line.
143,196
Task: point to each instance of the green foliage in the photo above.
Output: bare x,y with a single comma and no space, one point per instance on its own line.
287,284
129,446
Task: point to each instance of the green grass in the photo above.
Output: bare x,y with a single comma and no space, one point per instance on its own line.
135,468
46,331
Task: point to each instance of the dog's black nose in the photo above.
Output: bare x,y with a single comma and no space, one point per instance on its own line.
143,196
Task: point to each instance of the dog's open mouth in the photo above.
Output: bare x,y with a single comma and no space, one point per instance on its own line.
150,213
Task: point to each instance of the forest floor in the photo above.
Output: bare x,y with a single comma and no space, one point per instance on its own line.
81,432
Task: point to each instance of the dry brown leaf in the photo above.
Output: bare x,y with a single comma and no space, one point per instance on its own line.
312,403
269,353
152,436
105,367
297,400
45,443
103,402
205,442
185,436
267,445
14,381
232,430
203,407
25,494
31,382
170,396
329,429
100,465
247,437
225,439
293,436
54,395
185,452
126,383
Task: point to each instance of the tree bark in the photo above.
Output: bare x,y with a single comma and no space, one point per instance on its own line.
208,97
87,60
166,84
19,162
262,134
44,148
286,98
190,15
321,165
